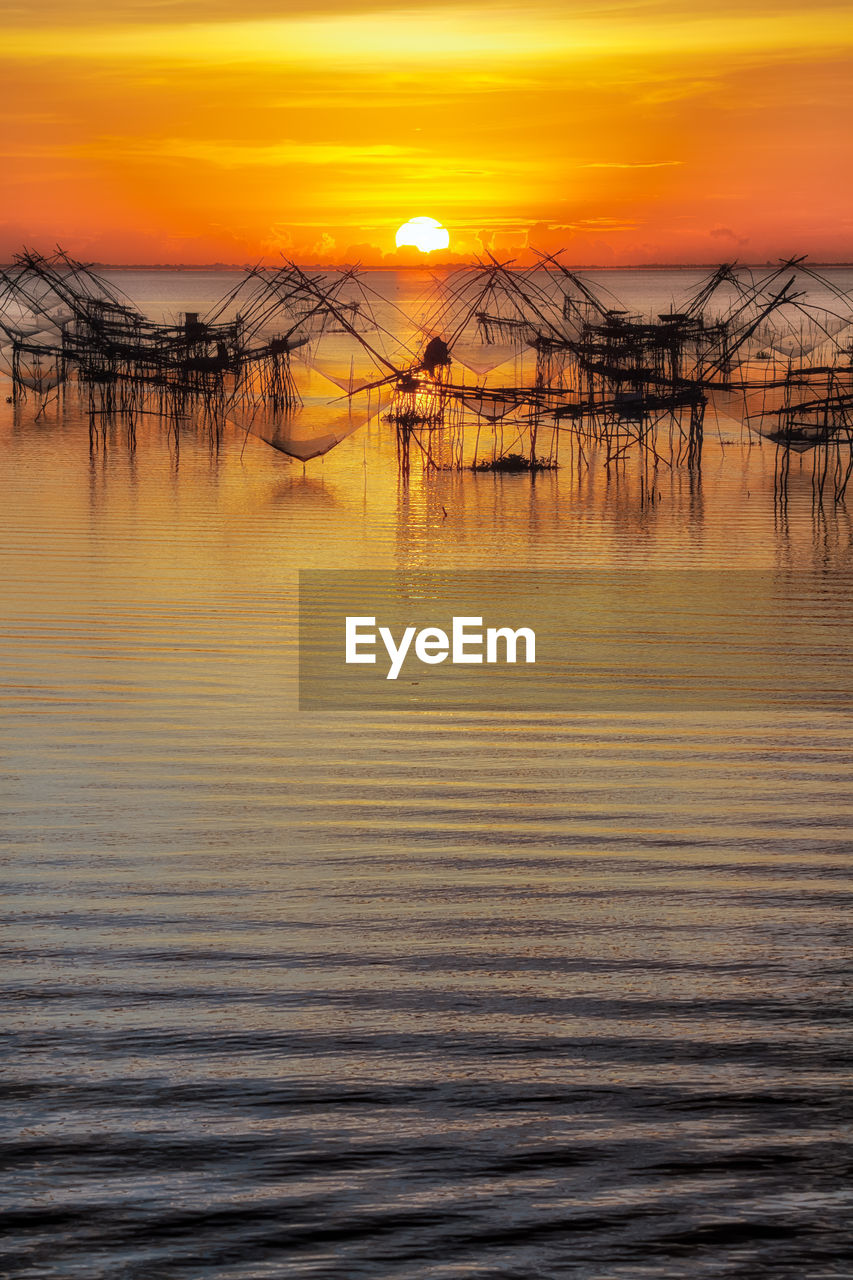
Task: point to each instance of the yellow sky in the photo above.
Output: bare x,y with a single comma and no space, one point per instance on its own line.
627,132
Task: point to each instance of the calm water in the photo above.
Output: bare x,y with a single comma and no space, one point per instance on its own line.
434,995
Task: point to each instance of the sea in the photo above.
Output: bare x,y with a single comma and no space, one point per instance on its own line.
416,994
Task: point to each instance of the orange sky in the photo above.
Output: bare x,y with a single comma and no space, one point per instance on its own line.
655,130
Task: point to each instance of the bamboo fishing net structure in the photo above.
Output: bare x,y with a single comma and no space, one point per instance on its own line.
501,369
62,325
514,360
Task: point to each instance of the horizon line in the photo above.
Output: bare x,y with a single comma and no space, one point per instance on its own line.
420,266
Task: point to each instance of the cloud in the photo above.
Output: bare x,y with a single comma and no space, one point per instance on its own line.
229,154
436,36
726,233
324,247
630,164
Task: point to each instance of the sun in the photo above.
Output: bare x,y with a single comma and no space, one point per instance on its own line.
423,233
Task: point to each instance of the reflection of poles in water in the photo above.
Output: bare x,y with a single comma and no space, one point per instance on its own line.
403,446
694,448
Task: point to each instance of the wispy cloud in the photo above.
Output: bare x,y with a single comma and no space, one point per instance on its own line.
631,164
231,154
435,35
222,154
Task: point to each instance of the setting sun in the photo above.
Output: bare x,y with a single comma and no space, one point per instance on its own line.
423,233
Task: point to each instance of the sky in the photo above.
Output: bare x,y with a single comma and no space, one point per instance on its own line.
622,131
